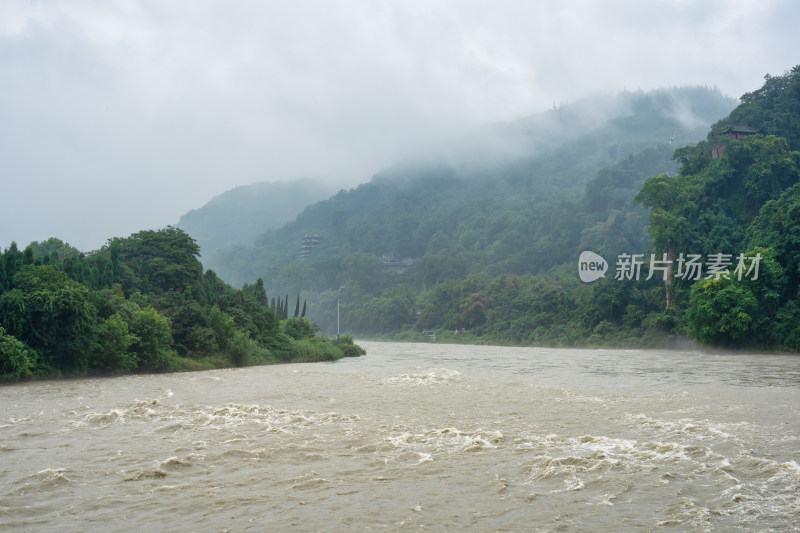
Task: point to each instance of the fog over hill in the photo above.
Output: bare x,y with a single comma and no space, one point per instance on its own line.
675,115
683,111
240,214
515,177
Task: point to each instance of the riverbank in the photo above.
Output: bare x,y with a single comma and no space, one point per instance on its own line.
309,350
447,336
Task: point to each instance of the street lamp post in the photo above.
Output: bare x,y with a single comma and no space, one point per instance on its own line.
338,301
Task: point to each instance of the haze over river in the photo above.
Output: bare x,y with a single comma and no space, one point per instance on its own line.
414,437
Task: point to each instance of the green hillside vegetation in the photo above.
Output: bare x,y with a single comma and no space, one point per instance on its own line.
746,200
141,303
517,216
494,245
241,214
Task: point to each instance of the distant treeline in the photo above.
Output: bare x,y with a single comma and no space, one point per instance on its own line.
141,303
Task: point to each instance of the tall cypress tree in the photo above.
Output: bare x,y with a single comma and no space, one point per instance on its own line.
297,306
259,292
2,272
303,314
13,260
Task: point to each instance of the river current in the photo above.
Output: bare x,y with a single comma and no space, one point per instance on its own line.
414,437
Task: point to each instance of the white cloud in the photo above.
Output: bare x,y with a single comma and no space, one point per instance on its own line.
120,116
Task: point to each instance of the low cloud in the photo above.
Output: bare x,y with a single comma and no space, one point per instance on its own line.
121,116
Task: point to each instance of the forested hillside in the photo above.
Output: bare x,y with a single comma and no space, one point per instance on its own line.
724,255
740,197
520,215
489,253
241,214
140,303
450,246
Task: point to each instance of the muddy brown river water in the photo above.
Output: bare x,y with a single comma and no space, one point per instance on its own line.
414,437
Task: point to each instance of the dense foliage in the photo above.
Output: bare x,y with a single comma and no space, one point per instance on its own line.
743,201
140,303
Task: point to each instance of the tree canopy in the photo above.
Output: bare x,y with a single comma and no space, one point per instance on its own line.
140,303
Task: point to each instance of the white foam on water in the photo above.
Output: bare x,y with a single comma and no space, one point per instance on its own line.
434,376
428,444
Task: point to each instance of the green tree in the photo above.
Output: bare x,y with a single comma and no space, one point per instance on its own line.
299,328
242,349
52,314
112,342
13,260
57,249
721,312
734,312
773,108
223,326
160,261
190,323
153,339
16,360
778,227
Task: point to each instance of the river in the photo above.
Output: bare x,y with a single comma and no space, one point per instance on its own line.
414,437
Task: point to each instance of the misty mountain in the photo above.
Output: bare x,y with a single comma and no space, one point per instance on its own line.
693,108
516,206
241,214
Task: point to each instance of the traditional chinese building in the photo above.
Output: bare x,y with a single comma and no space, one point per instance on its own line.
733,131
739,132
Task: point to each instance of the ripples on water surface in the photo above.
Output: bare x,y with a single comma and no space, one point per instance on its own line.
414,437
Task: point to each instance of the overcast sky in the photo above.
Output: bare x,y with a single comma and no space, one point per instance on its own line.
117,116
